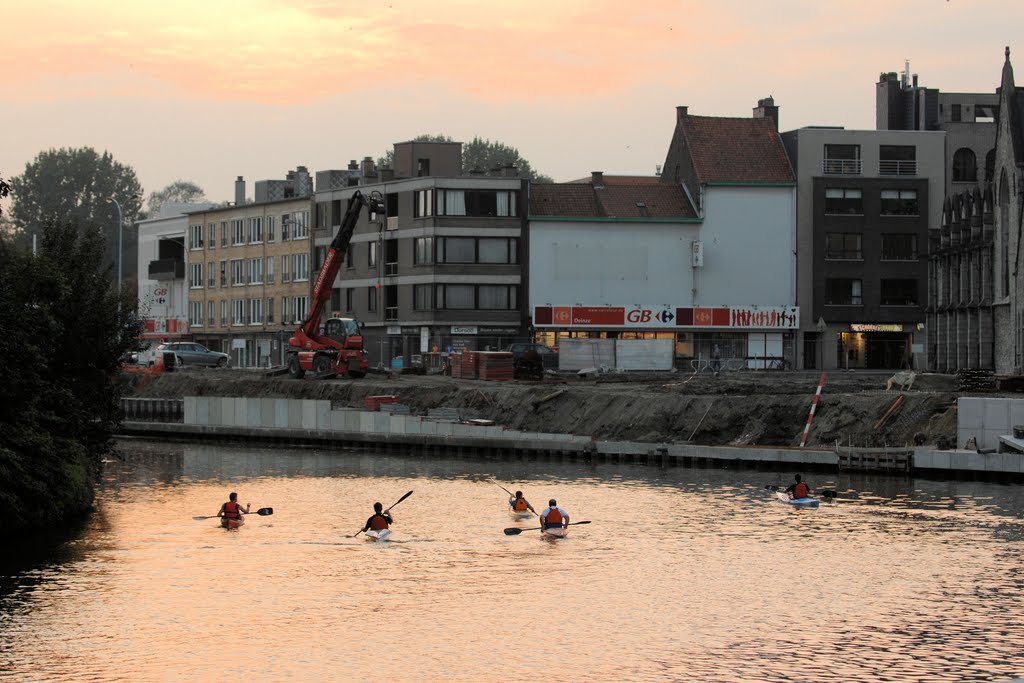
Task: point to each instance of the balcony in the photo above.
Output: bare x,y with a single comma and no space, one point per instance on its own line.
167,269
893,167
841,166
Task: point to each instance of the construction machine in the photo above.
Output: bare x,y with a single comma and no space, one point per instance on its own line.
338,348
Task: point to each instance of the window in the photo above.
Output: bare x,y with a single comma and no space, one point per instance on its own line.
223,233
424,203
498,250
255,230
841,160
371,299
497,297
284,309
476,203
196,276
300,266
223,273
211,236
270,228
424,250
843,246
270,270
256,311
451,203
899,247
195,236
270,310
456,250
506,203
422,167
321,256
842,292
843,201
300,306
255,271
954,112
423,297
990,165
237,232
237,272
195,313
238,312
211,313
965,166
458,297
285,274
349,296
897,160
899,203
371,254
285,224
899,293
224,313
335,300
300,224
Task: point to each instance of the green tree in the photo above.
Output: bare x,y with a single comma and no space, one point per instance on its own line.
480,155
65,331
178,192
75,185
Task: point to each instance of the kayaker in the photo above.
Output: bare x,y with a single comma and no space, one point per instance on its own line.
798,489
520,504
553,516
231,509
379,520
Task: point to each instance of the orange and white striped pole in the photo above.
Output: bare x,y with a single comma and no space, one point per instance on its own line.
814,406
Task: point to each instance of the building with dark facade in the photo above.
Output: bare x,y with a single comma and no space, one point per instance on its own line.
443,270
866,202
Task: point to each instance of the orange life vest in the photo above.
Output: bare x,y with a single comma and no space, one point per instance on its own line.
800,490
231,510
378,523
554,517
520,505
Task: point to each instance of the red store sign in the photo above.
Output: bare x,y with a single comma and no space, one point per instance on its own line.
668,317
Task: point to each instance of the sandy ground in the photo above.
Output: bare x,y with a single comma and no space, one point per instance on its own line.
735,408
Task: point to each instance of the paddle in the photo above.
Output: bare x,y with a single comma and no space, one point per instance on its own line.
387,510
263,512
510,494
513,531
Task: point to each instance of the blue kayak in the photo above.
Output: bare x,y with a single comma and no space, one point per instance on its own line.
797,502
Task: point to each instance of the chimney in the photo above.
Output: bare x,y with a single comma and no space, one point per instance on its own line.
353,166
766,109
239,191
509,171
368,167
681,113
597,179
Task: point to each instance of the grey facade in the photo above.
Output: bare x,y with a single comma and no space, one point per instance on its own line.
442,270
866,201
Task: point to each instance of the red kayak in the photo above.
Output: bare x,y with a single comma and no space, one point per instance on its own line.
232,523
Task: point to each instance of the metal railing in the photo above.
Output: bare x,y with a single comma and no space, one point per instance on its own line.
891,167
841,166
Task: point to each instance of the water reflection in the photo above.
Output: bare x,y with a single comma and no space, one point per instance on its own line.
694,574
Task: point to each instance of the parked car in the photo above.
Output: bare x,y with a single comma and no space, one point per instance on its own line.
190,353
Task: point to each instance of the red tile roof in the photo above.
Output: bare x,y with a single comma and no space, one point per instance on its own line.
619,197
736,150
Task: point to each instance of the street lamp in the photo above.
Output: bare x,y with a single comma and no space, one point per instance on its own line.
120,230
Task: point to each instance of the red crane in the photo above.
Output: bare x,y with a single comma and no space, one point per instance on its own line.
339,348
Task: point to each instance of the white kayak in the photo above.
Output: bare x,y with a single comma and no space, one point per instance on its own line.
788,499
517,514
382,535
555,532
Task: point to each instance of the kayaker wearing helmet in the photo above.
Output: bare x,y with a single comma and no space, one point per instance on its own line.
553,516
520,504
231,509
379,520
798,489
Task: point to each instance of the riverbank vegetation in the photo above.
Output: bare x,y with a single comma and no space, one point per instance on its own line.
63,331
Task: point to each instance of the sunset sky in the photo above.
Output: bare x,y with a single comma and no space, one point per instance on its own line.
206,91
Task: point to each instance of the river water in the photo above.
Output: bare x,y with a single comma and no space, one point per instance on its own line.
683,574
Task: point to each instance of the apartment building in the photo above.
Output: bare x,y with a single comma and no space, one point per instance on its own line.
866,203
248,273
442,271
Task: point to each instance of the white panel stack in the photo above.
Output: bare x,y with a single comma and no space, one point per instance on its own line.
580,354
644,354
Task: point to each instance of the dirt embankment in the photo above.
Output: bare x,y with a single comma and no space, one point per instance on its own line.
735,408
